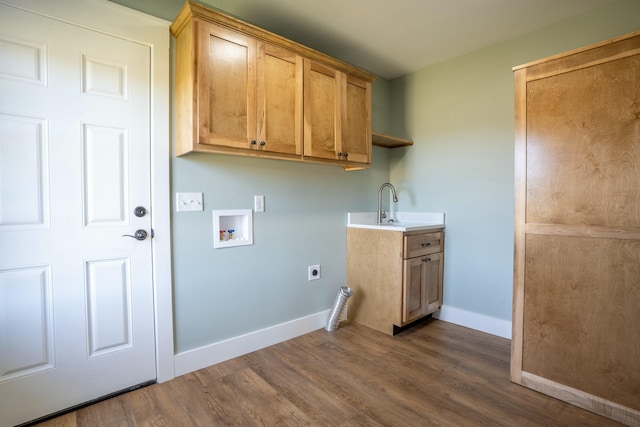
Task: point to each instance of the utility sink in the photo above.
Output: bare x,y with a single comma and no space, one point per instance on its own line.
399,221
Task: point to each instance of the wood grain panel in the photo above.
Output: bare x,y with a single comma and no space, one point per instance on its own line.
321,107
185,93
589,56
228,88
279,97
356,126
582,146
377,293
414,290
520,202
581,315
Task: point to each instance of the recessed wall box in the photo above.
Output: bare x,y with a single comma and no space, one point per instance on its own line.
232,228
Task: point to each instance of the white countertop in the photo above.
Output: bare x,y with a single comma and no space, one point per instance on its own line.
401,221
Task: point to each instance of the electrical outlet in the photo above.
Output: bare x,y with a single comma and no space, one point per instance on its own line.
314,272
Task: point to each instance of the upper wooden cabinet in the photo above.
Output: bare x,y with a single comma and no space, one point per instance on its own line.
337,114
242,90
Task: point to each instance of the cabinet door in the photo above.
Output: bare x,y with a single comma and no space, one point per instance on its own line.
422,286
322,104
433,276
226,87
356,123
414,291
279,96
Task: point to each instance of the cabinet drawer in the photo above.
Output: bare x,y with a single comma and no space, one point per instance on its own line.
422,244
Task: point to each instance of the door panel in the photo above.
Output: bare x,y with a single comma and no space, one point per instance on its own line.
414,289
322,108
226,87
26,299
76,297
356,126
23,165
279,96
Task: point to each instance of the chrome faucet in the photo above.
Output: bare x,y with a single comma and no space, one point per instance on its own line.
395,199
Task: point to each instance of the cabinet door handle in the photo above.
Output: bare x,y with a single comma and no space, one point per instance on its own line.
340,154
426,260
346,155
425,245
262,143
253,142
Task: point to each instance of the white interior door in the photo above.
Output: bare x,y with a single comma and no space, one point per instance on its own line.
76,297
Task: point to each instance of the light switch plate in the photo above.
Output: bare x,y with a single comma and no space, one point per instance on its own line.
258,203
189,202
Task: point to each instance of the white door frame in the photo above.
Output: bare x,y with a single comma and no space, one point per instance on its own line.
120,21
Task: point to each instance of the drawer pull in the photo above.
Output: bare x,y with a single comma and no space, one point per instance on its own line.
425,245
426,260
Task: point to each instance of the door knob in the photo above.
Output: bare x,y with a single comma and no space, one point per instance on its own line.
139,234
140,211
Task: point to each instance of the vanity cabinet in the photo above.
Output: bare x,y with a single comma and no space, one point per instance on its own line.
422,275
396,277
241,90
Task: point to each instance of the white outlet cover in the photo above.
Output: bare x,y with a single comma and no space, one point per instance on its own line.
313,268
189,202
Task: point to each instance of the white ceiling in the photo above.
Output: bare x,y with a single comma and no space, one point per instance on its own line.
395,37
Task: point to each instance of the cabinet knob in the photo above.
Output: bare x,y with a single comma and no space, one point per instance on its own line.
346,155
424,245
340,154
253,142
426,260
262,143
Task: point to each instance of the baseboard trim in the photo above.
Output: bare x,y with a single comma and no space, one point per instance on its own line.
480,322
198,358
600,406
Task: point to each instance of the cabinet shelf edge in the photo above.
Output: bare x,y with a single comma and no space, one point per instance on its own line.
382,140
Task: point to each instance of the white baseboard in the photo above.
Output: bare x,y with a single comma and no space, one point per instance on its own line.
477,321
198,358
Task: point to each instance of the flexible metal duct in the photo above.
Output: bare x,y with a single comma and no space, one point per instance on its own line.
338,306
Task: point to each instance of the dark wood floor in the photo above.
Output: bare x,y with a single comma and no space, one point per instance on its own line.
436,373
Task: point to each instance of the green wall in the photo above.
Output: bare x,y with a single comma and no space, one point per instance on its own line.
460,115
223,293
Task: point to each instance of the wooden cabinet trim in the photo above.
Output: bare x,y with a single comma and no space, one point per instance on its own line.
610,50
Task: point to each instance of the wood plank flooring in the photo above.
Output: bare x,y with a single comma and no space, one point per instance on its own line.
434,374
